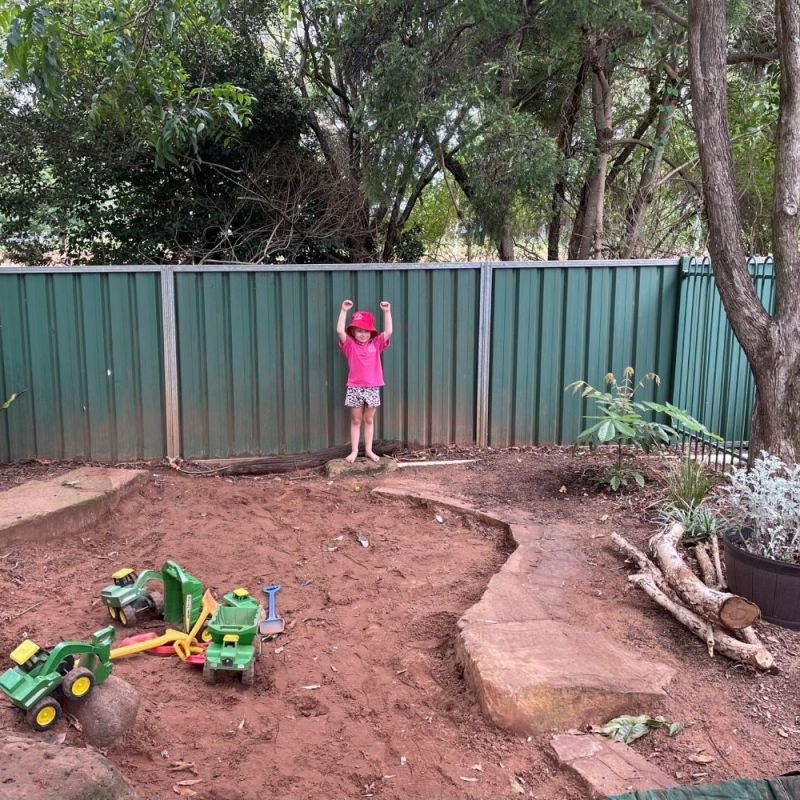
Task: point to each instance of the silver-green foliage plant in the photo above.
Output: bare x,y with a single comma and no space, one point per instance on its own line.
766,500
622,420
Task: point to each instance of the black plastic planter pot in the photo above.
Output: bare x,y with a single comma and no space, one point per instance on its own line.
774,586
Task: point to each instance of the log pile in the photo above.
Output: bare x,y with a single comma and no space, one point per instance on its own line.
723,621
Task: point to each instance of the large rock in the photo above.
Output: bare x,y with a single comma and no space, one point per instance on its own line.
535,656
338,467
608,768
108,712
32,769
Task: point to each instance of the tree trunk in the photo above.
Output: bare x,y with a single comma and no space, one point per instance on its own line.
587,240
729,610
565,133
772,345
636,212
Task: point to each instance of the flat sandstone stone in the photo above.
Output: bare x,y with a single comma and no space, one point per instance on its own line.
339,468
534,659
65,504
606,767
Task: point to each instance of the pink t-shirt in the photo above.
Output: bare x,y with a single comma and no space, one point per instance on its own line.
364,361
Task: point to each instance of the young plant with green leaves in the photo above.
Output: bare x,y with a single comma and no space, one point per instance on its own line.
623,421
686,488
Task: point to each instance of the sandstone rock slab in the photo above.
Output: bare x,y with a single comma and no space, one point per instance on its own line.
65,504
606,767
32,769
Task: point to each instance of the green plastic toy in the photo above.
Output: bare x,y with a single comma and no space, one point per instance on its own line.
129,595
233,630
39,673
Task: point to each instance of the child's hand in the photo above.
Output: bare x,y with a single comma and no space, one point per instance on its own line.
385,306
347,305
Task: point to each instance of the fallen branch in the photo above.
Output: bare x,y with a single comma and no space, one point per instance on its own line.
273,464
721,582
729,610
707,571
755,655
10,618
625,548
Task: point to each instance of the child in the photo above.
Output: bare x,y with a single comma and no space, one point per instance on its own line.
362,346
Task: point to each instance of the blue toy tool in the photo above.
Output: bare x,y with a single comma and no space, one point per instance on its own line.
273,624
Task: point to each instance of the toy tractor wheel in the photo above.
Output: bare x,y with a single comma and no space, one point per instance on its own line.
157,603
77,683
112,612
249,674
209,673
127,615
44,714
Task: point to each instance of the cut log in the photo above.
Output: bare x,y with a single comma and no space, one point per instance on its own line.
755,655
707,571
721,582
729,610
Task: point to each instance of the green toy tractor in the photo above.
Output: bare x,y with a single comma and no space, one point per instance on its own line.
130,596
74,668
233,632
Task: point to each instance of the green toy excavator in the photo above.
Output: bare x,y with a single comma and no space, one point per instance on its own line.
74,668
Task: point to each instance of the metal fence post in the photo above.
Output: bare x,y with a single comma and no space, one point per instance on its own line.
484,354
170,345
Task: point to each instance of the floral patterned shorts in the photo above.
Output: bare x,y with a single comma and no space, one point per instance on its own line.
358,396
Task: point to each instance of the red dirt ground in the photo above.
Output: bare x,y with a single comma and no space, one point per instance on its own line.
374,629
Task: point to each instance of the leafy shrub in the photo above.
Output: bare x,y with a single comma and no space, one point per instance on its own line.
622,422
766,499
687,484
698,521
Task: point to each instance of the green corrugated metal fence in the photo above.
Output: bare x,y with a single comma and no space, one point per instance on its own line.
713,380
140,362
261,372
558,324
86,349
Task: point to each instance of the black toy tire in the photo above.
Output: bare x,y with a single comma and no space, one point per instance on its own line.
78,676
34,712
127,615
209,674
249,674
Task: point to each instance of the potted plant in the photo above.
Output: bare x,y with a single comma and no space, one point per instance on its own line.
762,540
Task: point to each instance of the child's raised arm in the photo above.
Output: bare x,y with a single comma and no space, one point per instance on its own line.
387,320
340,323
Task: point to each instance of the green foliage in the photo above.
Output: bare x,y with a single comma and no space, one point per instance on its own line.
687,484
622,420
766,500
120,61
88,193
698,520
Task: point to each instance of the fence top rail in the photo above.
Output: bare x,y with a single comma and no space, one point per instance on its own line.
467,265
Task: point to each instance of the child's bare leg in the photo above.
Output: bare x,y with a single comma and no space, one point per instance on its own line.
355,433
369,427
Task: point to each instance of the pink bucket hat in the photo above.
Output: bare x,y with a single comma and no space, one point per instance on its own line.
363,320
